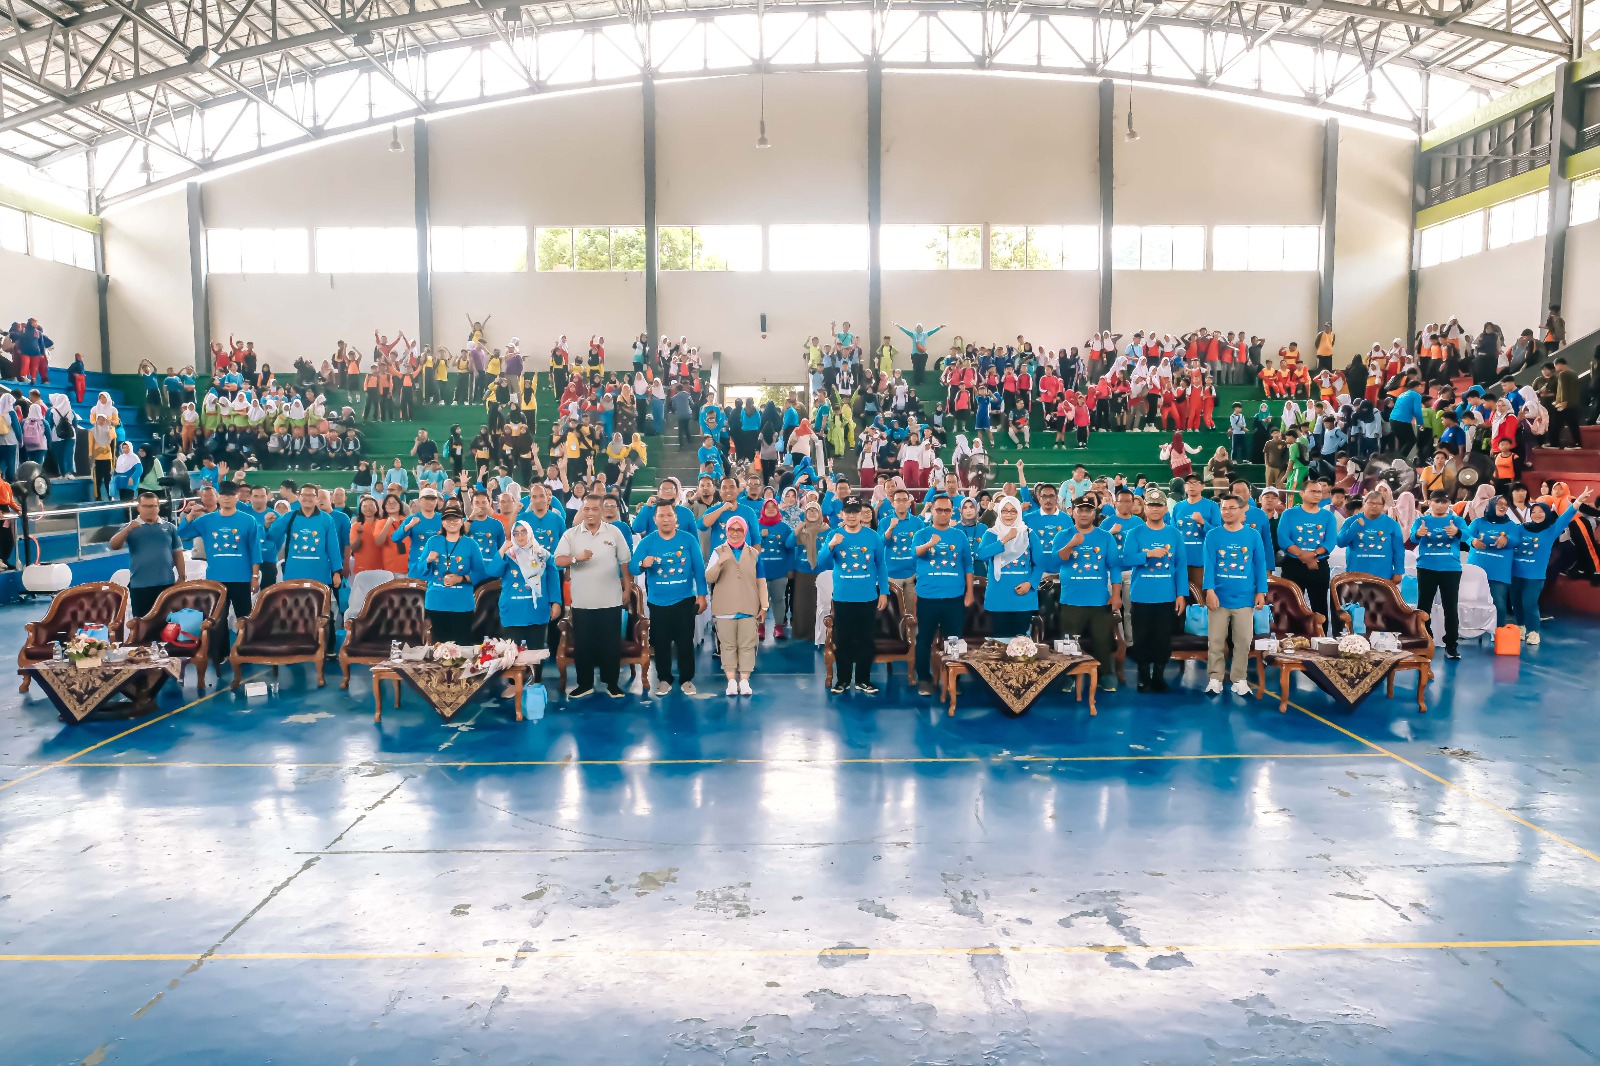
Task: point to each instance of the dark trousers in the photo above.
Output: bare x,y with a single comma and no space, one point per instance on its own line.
948,615
1008,624
683,431
239,604
269,572
1315,585
454,626
1153,626
1562,422
1405,437
1448,584
854,629
140,600
672,628
596,643
1095,629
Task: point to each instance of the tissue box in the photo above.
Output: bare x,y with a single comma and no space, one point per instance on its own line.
252,689
1067,646
1325,645
1388,642
1267,644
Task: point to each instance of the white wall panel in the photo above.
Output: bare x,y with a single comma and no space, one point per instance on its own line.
1372,240
61,297
1581,304
350,182
1279,307
149,298
538,308
289,316
1500,286
1052,308
721,312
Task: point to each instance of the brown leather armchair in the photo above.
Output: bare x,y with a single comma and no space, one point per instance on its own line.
393,611
486,609
98,601
1388,612
289,625
635,638
1291,615
207,597
894,642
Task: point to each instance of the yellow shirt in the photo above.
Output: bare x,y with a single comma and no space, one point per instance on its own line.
494,365
1325,344
441,369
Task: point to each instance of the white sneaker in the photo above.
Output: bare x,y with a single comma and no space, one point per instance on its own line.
733,687
1213,687
662,688
745,690
1241,688
688,689
1533,638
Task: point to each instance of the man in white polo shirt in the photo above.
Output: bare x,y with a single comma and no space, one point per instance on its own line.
596,559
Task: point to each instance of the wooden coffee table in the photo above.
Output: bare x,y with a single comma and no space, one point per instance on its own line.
1291,664
950,670
518,675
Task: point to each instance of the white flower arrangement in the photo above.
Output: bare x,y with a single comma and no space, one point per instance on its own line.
1354,646
84,646
1021,648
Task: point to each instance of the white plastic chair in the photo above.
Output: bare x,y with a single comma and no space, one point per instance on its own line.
1475,609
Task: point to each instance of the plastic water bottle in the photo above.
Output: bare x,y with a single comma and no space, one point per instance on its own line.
56,651
394,651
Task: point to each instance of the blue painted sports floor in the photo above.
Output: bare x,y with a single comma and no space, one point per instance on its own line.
797,878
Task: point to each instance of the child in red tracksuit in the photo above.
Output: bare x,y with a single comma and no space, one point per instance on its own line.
1171,414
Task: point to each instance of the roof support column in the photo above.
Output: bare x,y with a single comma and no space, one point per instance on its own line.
422,200
1107,182
199,279
1566,118
874,203
1330,217
652,239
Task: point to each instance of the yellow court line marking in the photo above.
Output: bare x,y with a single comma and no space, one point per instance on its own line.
806,952
457,763
217,691
1473,796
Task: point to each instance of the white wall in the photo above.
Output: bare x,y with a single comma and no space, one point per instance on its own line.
1372,239
149,300
1500,286
1581,303
61,297
958,149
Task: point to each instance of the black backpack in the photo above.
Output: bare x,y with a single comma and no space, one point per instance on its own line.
64,430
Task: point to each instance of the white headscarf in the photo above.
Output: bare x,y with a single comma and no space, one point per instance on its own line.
530,560
297,410
963,448
126,459
60,404
8,403
1012,549
103,406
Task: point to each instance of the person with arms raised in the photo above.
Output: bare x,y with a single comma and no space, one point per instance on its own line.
233,549
1530,563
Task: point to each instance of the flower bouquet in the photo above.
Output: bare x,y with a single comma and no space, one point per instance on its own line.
449,653
1021,649
86,651
1354,646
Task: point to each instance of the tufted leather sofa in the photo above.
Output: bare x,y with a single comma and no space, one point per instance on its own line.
894,642
207,597
635,652
1386,610
289,625
99,601
1292,616
393,611
486,609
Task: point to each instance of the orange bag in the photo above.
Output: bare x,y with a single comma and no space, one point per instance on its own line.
1508,641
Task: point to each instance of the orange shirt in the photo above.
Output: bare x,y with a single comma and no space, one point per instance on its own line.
394,556
369,556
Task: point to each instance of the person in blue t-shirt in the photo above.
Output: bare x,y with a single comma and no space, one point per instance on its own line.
1437,535
1255,518
415,531
1091,587
728,504
1306,536
944,585
900,528
776,539
1159,583
860,590
1235,583
1373,542
1531,562
1017,553
453,566
1493,540
233,541
1193,517
675,588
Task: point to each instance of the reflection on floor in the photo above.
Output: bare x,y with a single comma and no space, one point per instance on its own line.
795,877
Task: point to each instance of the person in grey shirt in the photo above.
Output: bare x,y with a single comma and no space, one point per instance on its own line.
155,555
596,558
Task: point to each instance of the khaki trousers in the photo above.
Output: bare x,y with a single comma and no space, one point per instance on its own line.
737,638
1223,622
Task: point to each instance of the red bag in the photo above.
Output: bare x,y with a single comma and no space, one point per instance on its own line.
1508,640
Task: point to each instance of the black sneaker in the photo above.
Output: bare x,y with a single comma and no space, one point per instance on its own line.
1451,653
614,692
867,687
924,688
839,688
580,692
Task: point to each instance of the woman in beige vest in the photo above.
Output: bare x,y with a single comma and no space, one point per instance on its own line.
738,601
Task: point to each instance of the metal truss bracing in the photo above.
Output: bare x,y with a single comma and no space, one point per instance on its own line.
115,97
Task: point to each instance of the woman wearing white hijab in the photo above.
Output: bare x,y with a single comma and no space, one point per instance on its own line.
125,481
63,434
1011,595
9,430
104,406
530,589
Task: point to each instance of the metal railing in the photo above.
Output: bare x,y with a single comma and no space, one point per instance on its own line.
91,526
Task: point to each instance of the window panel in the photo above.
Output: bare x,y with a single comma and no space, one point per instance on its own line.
914,247
1008,247
222,251
479,249
554,248
1230,247
14,230
1044,247
1302,246
1585,201
627,247
676,251
1470,229
818,247
366,250
731,247
252,251
1188,247
1125,247
1155,248
966,247
1431,246
591,248
1080,246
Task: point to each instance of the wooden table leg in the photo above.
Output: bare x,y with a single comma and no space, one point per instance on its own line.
521,676
1094,685
396,681
377,699
949,673
1424,675
1283,686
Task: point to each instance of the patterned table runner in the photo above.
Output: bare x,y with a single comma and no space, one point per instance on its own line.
1018,682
